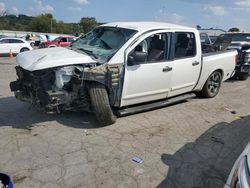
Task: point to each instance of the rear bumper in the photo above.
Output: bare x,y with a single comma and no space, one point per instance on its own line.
243,69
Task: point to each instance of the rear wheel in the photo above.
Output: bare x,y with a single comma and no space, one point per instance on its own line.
24,49
212,85
100,103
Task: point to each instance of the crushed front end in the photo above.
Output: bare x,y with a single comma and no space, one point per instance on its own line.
52,89
64,88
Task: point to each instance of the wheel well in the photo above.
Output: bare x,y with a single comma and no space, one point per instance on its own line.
221,72
24,48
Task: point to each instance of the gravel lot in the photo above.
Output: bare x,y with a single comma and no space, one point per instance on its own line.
191,144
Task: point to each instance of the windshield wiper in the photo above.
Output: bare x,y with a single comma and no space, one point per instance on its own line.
88,52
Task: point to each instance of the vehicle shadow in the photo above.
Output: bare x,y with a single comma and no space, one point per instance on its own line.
207,162
21,115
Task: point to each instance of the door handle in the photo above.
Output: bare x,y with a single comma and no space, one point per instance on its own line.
167,69
195,63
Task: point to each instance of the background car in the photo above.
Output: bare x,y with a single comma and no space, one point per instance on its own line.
63,41
2,36
240,42
15,45
240,174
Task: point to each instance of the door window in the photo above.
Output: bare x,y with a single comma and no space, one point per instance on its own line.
71,39
152,49
15,41
185,45
4,41
63,40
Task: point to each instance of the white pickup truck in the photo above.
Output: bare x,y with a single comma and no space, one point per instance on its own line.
122,68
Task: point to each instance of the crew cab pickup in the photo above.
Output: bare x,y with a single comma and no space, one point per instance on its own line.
122,68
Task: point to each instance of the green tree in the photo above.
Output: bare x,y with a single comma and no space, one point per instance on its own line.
88,23
62,27
43,23
234,29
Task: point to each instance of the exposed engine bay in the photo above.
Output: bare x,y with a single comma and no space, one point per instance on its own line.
64,88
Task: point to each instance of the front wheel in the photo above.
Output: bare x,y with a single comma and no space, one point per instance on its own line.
100,104
212,86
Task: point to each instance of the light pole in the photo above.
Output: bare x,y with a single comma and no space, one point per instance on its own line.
51,25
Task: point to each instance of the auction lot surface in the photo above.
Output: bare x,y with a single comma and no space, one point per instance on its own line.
191,144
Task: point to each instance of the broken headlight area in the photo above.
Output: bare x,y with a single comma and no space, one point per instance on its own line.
53,89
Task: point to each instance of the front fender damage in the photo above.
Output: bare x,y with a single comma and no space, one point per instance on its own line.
66,88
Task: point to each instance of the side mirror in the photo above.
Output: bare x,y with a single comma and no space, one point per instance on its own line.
135,58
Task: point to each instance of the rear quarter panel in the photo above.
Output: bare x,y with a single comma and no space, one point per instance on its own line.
223,61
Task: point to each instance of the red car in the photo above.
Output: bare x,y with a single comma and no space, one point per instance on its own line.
64,41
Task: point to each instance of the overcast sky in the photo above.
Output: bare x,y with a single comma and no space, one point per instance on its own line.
222,14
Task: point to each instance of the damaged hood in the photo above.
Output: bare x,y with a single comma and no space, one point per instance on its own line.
51,57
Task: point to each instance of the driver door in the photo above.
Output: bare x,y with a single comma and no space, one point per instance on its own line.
63,42
147,70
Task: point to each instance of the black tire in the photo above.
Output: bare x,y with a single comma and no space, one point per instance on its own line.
243,76
100,104
24,49
212,85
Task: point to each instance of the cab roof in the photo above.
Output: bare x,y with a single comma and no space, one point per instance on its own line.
145,26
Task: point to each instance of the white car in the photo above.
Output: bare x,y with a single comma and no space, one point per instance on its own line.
14,45
240,174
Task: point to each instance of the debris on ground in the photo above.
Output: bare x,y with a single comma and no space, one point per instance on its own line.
226,108
137,160
239,117
87,133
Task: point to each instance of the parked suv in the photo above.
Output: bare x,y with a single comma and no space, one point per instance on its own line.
15,45
64,41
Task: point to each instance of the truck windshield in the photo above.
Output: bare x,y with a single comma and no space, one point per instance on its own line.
103,42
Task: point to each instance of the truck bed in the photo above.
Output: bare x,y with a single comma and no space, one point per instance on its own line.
222,60
216,53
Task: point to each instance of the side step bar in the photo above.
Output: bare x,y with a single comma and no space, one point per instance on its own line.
154,105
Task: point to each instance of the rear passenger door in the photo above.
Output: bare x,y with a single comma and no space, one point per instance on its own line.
64,42
186,63
15,45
